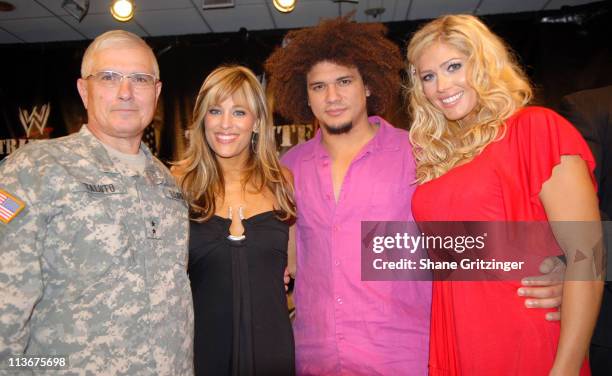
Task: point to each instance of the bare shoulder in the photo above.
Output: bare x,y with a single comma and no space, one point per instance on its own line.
177,170
287,174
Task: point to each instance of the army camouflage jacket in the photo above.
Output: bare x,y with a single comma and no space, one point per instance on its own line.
94,266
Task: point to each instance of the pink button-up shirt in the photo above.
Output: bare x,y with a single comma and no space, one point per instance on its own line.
346,326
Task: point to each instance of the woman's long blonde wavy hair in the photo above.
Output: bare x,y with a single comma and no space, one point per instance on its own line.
198,172
492,70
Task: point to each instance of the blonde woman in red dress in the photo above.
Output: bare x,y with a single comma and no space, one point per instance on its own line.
482,155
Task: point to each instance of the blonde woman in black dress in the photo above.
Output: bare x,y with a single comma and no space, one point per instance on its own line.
241,202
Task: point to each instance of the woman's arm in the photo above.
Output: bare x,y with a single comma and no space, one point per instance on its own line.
291,247
291,253
569,196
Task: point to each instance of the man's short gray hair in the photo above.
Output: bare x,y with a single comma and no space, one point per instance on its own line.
114,38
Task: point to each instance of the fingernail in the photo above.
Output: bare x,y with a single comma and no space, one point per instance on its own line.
521,292
549,317
529,303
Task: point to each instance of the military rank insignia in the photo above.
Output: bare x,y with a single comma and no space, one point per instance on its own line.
10,206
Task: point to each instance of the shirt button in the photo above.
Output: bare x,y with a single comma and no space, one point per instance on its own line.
335,228
337,263
339,300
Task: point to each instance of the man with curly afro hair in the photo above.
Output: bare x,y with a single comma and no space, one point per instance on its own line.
357,168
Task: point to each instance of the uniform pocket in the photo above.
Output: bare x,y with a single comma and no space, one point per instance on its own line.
172,228
86,240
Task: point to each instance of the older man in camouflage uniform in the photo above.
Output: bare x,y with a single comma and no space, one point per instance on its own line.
93,234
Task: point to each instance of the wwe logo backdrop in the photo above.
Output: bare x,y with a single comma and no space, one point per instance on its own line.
39,99
35,120
23,124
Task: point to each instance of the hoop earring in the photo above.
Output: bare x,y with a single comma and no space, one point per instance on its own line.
254,142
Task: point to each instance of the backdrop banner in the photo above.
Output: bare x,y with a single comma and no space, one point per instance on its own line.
563,51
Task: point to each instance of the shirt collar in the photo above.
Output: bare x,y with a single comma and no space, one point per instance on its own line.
102,158
383,140
96,150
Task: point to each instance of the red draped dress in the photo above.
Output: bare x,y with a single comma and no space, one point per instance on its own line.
483,327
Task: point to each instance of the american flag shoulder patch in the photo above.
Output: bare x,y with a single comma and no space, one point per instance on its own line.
10,206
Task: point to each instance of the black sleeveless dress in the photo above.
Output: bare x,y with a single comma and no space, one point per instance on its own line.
242,324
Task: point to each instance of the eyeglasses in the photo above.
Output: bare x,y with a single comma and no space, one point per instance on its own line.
113,79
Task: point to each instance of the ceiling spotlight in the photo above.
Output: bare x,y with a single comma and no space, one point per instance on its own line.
216,4
284,6
76,8
374,12
122,10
